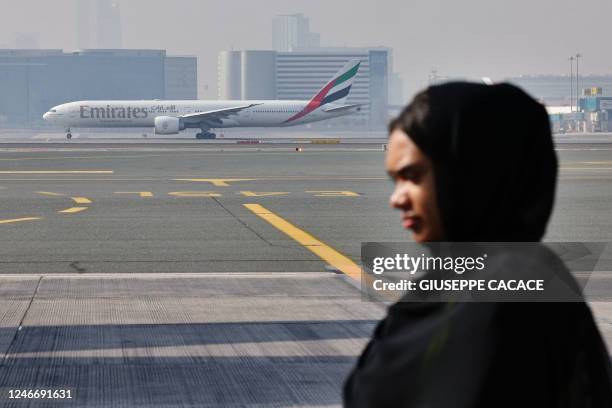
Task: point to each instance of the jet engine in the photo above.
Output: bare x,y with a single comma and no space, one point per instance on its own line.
167,125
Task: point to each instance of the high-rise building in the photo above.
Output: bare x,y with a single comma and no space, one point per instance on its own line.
258,75
98,24
229,71
247,74
291,32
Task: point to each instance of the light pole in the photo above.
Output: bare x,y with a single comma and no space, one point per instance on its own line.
571,60
578,56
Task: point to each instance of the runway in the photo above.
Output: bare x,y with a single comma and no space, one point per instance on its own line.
217,267
184,210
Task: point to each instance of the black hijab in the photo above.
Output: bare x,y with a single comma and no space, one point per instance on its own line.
495,173
494,162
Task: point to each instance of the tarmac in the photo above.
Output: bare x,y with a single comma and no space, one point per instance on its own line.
182,274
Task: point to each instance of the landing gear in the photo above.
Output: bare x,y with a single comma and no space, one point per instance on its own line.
206,135
68,134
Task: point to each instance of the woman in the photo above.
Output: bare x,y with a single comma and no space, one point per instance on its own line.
476,163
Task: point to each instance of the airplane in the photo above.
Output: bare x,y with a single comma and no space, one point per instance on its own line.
171,117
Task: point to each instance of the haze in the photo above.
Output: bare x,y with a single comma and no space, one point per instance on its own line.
472,38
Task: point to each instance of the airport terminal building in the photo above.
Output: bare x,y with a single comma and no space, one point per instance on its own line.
558,89
32,81
582,107
298,75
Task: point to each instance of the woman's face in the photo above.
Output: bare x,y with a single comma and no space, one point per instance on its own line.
415,194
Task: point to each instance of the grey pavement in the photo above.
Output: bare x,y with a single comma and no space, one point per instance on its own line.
182,340
270,135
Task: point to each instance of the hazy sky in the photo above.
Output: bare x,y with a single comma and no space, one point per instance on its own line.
465,38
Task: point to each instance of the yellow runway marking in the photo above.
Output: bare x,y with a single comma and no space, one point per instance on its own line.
319,248
19,220
215,182
72,210
57,172
49,193
81,200
262,194
77,200
140,193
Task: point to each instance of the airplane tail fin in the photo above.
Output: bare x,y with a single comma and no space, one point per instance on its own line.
338,88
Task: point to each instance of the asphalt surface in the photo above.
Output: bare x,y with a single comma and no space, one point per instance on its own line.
153,210
199,274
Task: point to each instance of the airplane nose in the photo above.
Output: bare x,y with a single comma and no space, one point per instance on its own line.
46,116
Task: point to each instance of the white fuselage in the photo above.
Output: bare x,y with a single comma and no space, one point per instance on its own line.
273,113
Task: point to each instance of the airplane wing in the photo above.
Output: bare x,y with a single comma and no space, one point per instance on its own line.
213,118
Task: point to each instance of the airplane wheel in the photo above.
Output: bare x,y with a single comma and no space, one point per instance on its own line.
69,136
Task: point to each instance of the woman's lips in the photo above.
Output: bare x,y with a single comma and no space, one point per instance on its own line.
410,222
